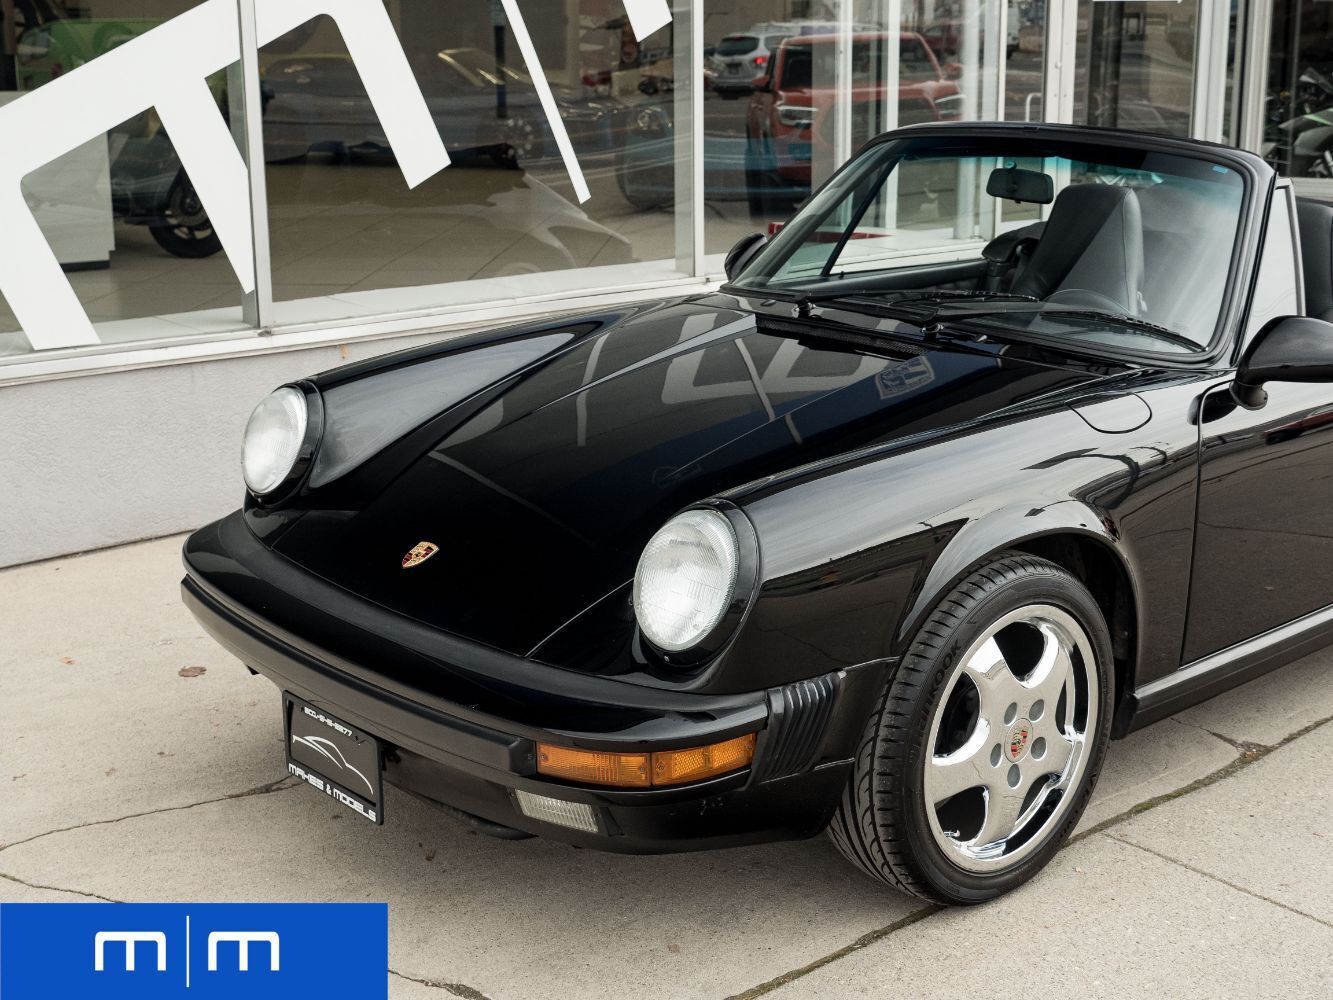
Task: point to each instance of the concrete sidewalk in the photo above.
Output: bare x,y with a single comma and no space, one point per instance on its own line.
1202,868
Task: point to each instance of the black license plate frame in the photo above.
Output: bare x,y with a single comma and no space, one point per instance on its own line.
318,742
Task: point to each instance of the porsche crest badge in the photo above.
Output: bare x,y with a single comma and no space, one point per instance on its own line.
419,553
1018,740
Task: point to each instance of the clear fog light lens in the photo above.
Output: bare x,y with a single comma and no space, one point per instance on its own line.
685,579
273,437
575,815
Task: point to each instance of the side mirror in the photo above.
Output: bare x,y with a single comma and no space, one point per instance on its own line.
762,84
1288,349
747,248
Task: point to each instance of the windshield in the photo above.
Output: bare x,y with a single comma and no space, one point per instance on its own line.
478,66
737,45
1105,244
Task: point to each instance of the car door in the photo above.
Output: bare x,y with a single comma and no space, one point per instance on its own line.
1263,552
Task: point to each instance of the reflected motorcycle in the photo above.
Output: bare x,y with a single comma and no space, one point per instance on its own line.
1298,138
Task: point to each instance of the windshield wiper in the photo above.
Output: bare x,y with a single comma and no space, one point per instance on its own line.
804,300
1121,319
944,294
1124,319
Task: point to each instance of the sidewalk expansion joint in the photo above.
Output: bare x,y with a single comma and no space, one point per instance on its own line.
1250,753
456,989
863,941
1244,746
1219,879
55,888
281,785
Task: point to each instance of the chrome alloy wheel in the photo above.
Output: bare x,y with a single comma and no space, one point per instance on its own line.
1008,739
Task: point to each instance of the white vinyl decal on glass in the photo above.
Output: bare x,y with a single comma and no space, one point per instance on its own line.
166,69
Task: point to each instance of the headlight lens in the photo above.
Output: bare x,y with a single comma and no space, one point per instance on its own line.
273,438
685,579
795,114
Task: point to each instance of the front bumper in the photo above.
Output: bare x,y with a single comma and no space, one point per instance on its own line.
462,720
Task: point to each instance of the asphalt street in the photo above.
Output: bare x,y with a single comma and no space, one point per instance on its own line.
141,762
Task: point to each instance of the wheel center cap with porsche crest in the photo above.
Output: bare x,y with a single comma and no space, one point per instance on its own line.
1016,746
419,553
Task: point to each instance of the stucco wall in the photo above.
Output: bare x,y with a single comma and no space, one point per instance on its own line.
104,459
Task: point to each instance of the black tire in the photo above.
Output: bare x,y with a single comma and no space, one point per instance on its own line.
881,825
756,195
185,230
768,197
644,186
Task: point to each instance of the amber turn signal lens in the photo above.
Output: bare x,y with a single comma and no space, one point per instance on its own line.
640,770
591,767
675,767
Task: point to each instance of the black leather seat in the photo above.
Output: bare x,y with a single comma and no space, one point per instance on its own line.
1093,243
1189,230
1315,222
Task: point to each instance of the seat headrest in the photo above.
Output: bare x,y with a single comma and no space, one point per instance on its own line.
1093,240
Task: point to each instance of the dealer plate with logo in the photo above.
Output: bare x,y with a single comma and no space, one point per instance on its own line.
334,757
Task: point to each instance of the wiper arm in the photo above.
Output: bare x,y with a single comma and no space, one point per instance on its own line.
804,300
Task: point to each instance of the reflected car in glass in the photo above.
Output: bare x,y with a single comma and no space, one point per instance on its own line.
739,58
148,185
889,537
317,104
792,109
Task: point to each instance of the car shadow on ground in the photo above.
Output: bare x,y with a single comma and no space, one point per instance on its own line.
530,918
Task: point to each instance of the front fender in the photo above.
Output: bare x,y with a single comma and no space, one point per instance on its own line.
1011,527
856,553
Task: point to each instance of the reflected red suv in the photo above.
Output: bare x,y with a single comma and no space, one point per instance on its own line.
800,89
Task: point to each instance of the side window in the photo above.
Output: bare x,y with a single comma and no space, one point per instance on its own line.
1276,292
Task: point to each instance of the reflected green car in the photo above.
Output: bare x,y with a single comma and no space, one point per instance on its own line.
54,48
149,187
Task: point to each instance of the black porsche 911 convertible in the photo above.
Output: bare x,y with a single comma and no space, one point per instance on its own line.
1011,440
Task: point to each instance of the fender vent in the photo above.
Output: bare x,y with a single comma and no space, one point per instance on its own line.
797,717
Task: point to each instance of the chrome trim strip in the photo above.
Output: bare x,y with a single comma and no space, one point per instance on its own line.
1236,657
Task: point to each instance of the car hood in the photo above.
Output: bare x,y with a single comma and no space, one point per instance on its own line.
540,501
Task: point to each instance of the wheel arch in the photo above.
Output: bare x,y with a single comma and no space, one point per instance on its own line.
1100,568
1083,543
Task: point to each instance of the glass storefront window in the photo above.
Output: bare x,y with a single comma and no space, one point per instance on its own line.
1025,61
114,202
1137,65
794,87
1298,106
348,237
569,144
